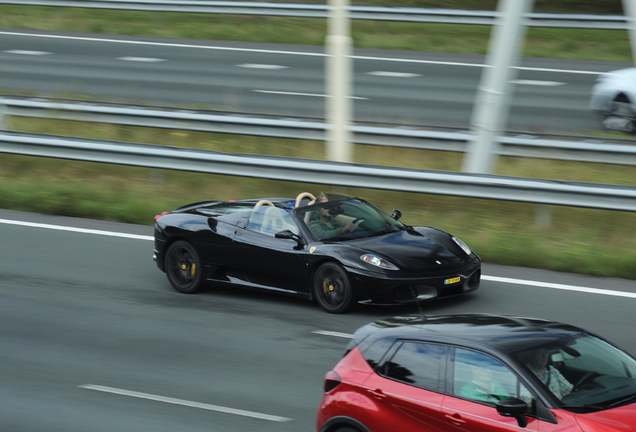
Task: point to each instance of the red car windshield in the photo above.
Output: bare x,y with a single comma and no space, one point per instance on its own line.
586,372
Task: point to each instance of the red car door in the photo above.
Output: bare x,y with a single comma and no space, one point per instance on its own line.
467,416
404,395
477,382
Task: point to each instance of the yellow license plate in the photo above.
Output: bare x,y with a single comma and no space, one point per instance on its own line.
452,280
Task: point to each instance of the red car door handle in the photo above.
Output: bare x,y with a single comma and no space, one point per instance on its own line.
455,418
377,394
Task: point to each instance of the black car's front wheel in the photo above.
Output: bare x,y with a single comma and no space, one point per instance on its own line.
332,288
183,267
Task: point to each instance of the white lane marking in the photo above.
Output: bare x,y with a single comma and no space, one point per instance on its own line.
436,62
183,402
560,286
580,72
175,45
333,333
394,74
538,83
261,66
78,230
447,63
141,59
303,94
24,52
483,277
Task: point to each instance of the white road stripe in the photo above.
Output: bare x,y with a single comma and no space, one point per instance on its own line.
447,63
24,52
394,74
436,62
588,290
303,94
261,66
538,83
78,230
183,402
580,72
175,45
141,59
560,286
333,333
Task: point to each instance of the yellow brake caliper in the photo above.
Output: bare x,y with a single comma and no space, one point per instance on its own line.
329,287
193,268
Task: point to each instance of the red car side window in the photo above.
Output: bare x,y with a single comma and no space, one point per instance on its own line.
419,364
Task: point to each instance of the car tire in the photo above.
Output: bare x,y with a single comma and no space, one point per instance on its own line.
621,115
332,288
183,267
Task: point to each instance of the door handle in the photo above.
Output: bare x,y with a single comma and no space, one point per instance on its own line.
378,394
238,233
456,418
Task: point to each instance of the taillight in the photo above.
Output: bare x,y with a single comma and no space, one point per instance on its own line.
159,215
332,379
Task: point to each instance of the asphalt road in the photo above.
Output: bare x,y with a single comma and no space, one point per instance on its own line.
396,87
94,339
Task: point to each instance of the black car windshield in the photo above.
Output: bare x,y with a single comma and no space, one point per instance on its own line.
585,373
346,219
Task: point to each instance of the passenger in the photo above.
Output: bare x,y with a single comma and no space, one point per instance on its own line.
327,226
548,374
483,387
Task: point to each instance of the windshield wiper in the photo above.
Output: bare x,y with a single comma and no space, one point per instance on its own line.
604,405
591,407
622,401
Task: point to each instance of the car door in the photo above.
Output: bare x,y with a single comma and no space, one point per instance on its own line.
404,394
477,381
269,261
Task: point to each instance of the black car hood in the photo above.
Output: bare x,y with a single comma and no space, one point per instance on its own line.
415,249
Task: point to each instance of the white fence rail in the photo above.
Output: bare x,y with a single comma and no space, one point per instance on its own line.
377,13
621,152
551,192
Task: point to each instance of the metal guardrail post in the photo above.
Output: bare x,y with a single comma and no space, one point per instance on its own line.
338,74
629,8
3,116
490,112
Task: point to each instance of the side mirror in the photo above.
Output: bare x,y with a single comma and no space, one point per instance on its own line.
514,407
397,214
287,234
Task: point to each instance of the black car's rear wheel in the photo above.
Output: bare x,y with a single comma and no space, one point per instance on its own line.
332,288
183,267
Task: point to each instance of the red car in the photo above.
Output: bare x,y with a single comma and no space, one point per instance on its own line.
477,373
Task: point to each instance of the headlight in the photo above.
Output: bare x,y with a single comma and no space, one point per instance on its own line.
378,262
462,245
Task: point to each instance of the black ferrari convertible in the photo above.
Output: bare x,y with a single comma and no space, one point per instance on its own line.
338,252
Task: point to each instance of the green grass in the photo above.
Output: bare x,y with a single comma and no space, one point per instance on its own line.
586,241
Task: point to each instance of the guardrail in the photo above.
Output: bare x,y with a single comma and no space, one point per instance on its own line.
551,192
622,152
377,13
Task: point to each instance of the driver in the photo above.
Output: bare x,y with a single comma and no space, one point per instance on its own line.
326,225
548,374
